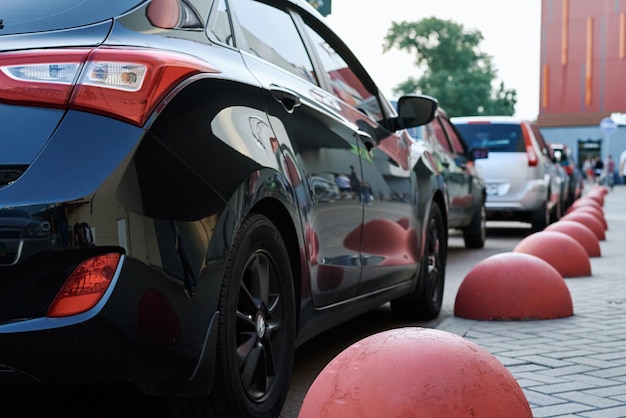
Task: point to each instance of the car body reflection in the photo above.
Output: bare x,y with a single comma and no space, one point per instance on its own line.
22,235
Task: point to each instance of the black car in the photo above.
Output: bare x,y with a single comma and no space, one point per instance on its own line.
176,149
465,187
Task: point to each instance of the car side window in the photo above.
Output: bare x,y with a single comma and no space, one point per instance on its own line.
542,142
218,28
346,85
271,34
435,129
455,141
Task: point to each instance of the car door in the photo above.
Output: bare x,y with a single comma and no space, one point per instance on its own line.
316,141
453,169
389,240
468,196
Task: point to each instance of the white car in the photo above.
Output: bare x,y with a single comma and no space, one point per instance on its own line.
523,183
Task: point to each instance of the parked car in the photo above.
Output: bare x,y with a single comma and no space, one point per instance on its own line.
465,188
523,183
563,155
184,141
564,181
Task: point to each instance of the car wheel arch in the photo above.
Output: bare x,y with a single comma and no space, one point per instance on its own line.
438,199
282,219
424,301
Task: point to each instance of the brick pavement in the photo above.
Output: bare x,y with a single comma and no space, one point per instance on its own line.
575,366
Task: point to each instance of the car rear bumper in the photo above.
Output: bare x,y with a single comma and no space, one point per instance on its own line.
531,198
145,329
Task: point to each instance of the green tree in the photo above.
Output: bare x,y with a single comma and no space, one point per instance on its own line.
455,71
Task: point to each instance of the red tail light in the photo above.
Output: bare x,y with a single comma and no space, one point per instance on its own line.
44,78
85,286
533,159
126,84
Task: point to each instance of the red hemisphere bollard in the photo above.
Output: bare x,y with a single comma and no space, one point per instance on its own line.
584,201
588,220
595,211
560,250
581,233
415,372
513,286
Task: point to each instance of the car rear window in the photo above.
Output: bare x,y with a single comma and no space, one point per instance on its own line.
497,137
25,16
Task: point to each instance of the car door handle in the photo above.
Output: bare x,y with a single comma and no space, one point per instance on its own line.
286,97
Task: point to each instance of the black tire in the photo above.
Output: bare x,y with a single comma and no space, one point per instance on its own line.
557,212
475,234
540,218
256,331
425,303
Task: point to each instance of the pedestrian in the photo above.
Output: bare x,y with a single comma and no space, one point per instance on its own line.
588,169
598,169
622,165
610,171
355,183
367,193
343,183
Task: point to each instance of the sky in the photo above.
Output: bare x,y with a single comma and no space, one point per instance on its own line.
511,32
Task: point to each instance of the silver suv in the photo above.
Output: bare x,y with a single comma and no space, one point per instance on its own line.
521,175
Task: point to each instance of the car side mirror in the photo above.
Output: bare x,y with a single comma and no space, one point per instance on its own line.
415,110
479,153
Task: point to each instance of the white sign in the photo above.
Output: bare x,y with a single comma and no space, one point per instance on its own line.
619,118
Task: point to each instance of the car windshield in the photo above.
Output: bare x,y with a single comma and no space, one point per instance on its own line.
25,16
497,137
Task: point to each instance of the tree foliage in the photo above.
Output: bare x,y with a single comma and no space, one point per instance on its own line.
455,71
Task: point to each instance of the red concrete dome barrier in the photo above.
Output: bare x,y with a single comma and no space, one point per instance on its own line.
596,195
581,233
415,372
600,189
588,220
513,286
595,211
585,201
560,250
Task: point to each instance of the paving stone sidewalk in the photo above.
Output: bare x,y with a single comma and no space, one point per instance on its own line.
575,366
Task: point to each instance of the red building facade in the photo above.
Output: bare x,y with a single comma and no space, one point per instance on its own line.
583,62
